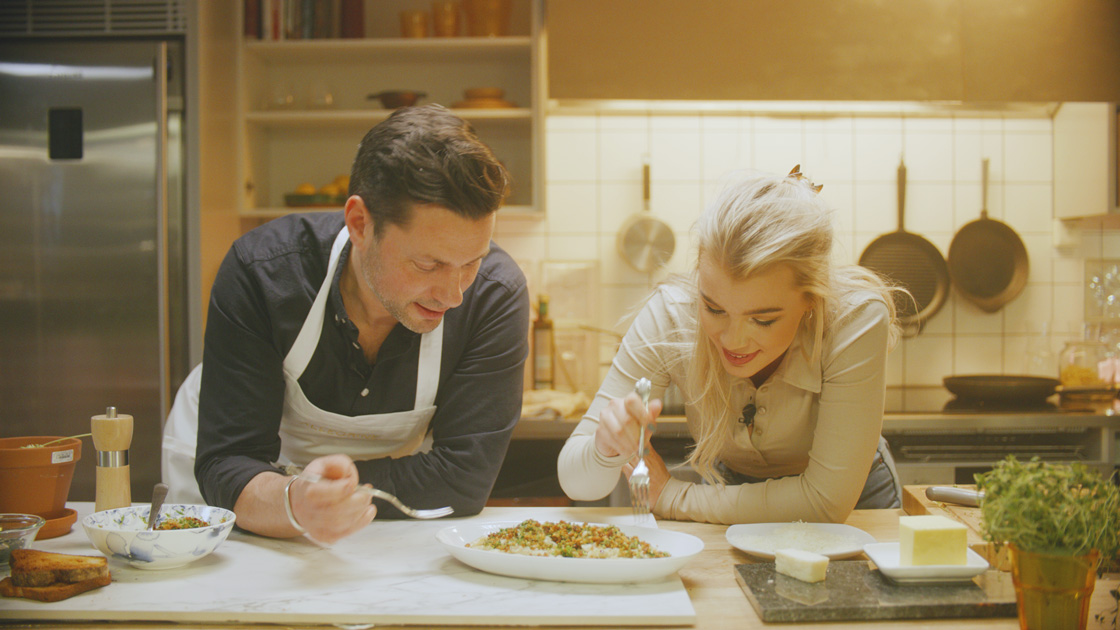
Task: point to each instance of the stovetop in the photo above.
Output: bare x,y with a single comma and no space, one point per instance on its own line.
935,399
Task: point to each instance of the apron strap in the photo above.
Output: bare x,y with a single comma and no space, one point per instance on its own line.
300,354
427,374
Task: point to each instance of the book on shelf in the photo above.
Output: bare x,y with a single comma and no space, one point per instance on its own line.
277,20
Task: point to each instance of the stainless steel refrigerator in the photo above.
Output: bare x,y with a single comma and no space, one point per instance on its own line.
92,273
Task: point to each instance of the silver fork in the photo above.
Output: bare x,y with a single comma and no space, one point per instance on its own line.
381,494
639,478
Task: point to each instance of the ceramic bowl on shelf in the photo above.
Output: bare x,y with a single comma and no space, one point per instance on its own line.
393,99
123,533
16,532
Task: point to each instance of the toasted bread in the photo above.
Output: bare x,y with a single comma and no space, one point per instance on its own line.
53,593
34,568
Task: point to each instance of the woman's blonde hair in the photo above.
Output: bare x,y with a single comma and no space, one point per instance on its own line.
756,222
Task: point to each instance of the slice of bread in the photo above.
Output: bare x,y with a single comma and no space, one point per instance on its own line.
34,568
53,593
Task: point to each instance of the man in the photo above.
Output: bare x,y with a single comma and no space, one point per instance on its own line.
337,343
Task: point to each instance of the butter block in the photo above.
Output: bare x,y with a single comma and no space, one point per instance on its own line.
931,539
802,565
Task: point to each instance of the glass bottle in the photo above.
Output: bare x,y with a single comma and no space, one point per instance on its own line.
1085,365
544,348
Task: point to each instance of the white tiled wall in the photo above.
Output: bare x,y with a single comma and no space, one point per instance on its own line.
594,171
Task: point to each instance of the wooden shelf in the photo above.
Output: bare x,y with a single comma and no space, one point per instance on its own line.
507,212
276,143
323,117
351,50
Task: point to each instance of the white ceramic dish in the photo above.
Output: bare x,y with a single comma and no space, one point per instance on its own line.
885,556
849,541
680,547
123,533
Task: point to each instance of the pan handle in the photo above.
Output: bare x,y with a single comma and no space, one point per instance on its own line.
645,182
984,188
901,195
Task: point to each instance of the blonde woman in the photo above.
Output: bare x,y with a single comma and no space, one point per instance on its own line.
780,356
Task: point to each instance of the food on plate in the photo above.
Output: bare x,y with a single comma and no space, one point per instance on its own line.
802,565
305,188
52,577
931,539
799,535
569,540
183,522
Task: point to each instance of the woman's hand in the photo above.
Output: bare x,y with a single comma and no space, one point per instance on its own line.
620,423
658,474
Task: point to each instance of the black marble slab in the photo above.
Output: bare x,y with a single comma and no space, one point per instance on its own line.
852,590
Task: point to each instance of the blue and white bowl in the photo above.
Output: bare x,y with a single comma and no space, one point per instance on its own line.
123,533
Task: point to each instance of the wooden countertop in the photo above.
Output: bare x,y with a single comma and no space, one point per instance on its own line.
677,426
718,600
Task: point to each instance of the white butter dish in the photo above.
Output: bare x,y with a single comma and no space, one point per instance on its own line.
886,558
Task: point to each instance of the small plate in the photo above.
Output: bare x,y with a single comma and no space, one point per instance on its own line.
885,556
849,541
680,547
58,523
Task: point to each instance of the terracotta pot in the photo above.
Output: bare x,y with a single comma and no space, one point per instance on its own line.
37,480
1053,591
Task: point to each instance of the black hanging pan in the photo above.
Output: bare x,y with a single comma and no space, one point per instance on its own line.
912,262
987,260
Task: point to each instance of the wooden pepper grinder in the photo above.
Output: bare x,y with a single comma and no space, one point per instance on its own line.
112,437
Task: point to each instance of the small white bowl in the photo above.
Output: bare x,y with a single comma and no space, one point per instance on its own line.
16,532
123,533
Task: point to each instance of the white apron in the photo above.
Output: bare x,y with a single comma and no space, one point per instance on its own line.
307,432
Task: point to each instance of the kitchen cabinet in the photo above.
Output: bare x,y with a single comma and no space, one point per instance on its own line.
955,50
1086,159
304,107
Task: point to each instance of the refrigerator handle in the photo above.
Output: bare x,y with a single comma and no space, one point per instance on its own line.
162,244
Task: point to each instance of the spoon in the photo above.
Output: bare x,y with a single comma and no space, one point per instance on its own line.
159,493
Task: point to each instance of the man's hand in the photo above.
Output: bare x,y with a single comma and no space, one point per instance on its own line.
329,509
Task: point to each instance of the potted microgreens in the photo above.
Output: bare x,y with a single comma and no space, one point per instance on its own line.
1058,521
35,473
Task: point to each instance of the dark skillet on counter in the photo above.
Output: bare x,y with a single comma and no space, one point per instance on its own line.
1001,387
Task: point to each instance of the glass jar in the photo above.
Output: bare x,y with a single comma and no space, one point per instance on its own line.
1085,365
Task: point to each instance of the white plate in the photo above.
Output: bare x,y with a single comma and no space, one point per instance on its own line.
885,556
744,538
680,547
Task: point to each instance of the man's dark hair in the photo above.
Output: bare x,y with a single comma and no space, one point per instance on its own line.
426,155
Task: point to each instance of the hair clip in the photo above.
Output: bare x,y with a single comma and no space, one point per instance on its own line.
798,175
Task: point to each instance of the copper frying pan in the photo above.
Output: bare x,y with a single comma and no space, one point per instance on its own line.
912,262
987,260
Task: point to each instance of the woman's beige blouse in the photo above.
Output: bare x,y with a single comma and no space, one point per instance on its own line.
816,429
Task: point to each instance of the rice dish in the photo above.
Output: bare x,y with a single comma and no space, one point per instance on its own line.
568,540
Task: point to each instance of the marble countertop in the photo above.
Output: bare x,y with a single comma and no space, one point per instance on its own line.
392,572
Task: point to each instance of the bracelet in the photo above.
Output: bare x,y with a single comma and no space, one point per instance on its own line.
288,506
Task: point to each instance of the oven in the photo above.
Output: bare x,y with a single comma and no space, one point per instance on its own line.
937,439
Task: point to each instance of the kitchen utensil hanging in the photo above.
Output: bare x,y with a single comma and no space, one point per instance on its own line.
911,262
988,263
645,242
